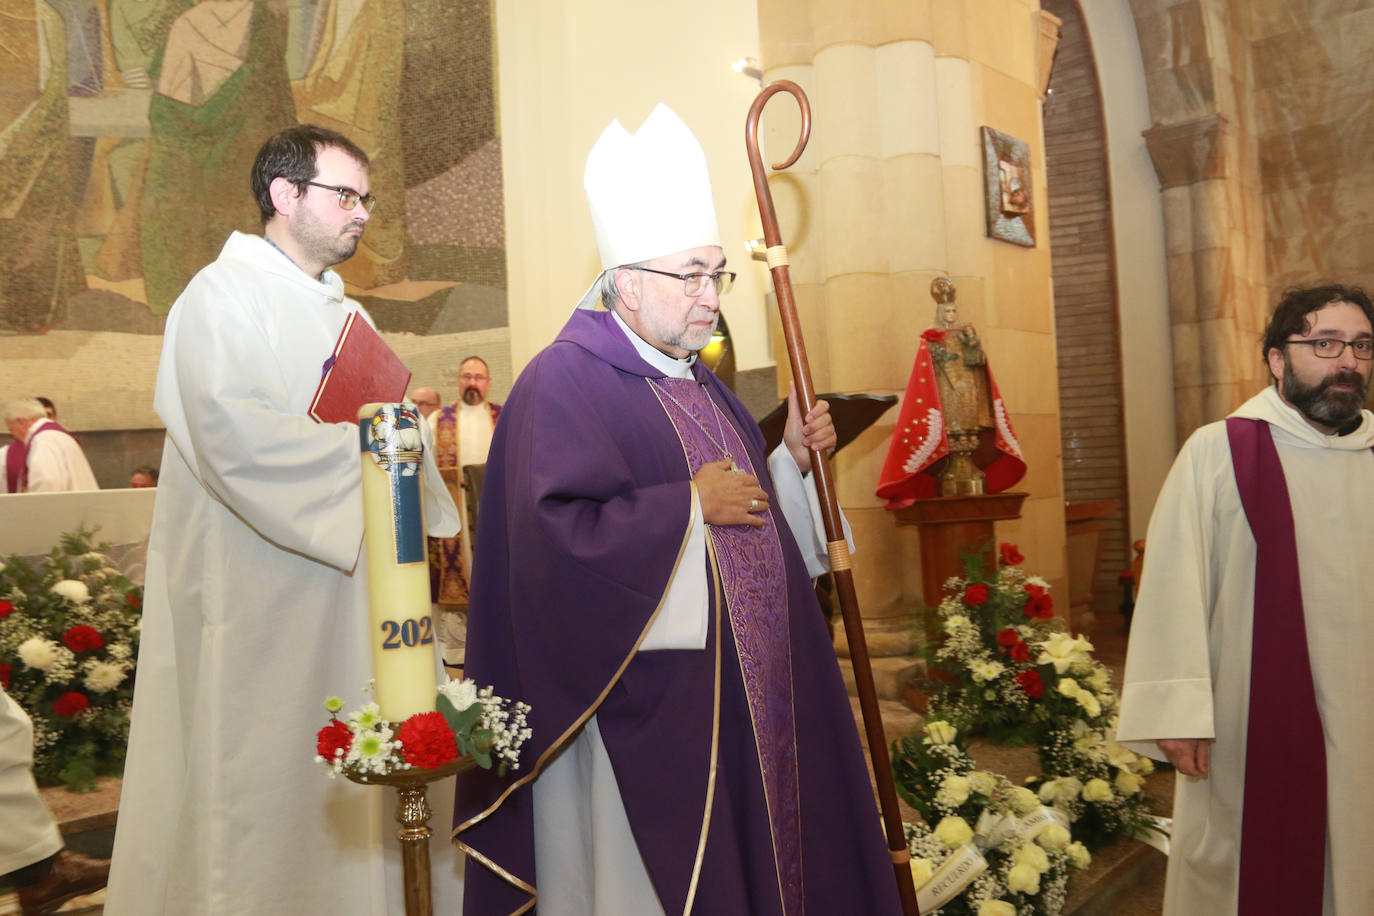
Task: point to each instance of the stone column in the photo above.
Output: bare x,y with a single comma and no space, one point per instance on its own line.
888,196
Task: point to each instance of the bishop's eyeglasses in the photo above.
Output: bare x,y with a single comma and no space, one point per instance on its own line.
694,285
1332,347
348,198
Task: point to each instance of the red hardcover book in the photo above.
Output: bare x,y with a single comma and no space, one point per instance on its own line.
362,369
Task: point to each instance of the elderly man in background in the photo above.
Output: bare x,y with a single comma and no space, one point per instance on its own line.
43,458
462,436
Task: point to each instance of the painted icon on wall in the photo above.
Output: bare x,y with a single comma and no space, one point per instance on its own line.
1007,188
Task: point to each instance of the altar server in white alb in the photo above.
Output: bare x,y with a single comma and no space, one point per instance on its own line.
1249,663
255,608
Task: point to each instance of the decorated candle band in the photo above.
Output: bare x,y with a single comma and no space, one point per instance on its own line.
402,628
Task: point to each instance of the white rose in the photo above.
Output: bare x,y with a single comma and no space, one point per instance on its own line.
953,792
1069,687
1023,879
921,870
982,782
461,694
1128,783
39,653
1097,790
953,832
102,677
1078,854
996,908
1100,679
940,731
1022,800
1032,855
1054,837
74,591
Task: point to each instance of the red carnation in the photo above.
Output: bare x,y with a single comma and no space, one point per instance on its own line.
1010,555
6,609
976,594
427,741
1038,604
82,638
71,703
1030,682
333,740
933,335
1008,637
1019,652
5,672
133,599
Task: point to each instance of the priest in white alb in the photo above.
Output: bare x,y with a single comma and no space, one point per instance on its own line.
256,603
1248,666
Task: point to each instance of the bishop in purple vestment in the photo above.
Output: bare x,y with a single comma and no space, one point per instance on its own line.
638,582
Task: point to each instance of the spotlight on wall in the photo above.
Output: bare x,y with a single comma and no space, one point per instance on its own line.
749,66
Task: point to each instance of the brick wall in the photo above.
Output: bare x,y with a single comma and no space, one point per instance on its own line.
1085,302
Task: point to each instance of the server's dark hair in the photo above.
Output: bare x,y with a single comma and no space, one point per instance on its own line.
1290,315
290,154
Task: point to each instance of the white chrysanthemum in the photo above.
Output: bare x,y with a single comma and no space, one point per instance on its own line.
1054,837
372,750
1064,788
985,670
461,694
74,591
953,792
1022,800
1069,687
955,622
1128,783
39,653
1032,855
1078,854
982,782
1036,580
365,718
953,832
102,677
1023,879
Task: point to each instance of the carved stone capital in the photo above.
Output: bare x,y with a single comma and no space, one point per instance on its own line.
1188,152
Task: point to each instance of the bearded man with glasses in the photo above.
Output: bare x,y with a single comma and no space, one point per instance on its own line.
256,599
1248,662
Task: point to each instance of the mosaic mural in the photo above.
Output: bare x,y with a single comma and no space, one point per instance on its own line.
128,129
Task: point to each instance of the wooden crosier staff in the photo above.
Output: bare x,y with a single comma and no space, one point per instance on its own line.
840,566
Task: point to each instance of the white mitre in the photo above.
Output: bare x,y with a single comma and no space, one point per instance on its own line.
649,193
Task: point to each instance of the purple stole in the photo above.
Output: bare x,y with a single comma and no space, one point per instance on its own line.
751,568
1283,828
17,459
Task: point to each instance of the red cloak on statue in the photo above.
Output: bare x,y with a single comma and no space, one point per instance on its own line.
920,440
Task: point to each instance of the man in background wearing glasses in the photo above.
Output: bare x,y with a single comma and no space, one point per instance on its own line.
256,598
642,579
1248,667
462,437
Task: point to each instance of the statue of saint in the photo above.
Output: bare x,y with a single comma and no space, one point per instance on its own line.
960,365
953,437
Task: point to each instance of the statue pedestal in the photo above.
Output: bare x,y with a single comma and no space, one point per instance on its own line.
952,528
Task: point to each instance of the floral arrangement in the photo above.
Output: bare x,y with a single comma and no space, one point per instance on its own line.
69,628
465,720
1005,668
994,849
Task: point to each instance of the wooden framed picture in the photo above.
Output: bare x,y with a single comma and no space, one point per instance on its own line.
1007,199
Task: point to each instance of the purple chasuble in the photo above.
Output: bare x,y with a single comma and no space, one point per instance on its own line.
1283,831
17,459
739,764
751,572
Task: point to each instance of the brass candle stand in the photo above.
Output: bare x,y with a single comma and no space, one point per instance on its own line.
412,813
